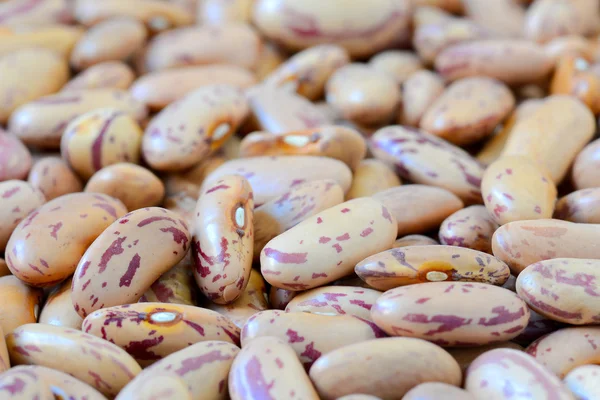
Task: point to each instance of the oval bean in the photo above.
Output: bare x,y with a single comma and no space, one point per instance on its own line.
176,286
579,206
217,12
17,200
397,63
574,77
62,385
54,178
471,227
60,38
583,381
335,300
547,19
585,166
104,75
20,303
58,309
40,12
419,91
21,384
371,176
486,14
437,390
414,240
15,159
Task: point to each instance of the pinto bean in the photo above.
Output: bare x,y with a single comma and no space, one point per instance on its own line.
21,384
570,45
60,38
585,166
399,64
335,300
53,177
43,12
579,206
20,303
4,358
486,14
547,19
471,227
58,309
161,387
280,298
372,176
583,381
437,390
217,12
176,286
419,92
414,240
15,159
104,75
17,200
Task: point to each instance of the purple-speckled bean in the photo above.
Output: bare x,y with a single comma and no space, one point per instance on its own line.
280,298
437,391
464,356
335,300
17,200
42,12
471,227
414,240
97,362
105,75
452,313
581,206
583,382
268,368
127,258
58,309
424,158
188,130
53,177
4,358
19,383
502,373
15,159
45,247
387,368
327,246
547,19
176,286
20,303
419,92
160,387
372,176
585,166
62,385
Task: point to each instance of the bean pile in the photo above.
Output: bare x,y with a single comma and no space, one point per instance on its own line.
299,199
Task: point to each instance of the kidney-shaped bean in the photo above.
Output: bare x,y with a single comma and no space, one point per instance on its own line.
106,75
53,177
585,166
419,92
471,227
335,300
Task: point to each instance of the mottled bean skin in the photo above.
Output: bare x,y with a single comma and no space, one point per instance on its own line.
105,75
176,286
335,300
326,246
452,313
419,92
53,177
523,243
583,382
17,200
46,246
20,303
161,387
566,349
394,365
127,258
137,187
471,227
294,206
501,373
437,390
414,240
94,361
271,177
586,165
418,208
15,159
268,368
203,367
340,143
20,384
152,331
280,298
224,226
422,264
424,158
190,129
464,356
58,309
580,206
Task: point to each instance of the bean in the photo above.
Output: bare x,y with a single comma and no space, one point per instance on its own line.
176,286
20,303
216,12
189,180
58,309
60,38
471,227
104,75
419,92
41,12
579,206
570,45
61,384
358,397
4,359
54,178
465,356
15,159
547,19
21,384
280,298
414,240
583,381
574,77
161,386
486,14
399,64
584,166
335,300
371,176
437,390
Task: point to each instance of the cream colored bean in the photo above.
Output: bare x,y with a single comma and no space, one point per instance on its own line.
414,240
60,38
500,373
372,176
97,362
58,309
437,390
421,264
218,12
161,387
363,94
135,186
387,368
579,206
583,382
42,122
501,17
104,75
399,64
53,177
419,92
64,385
419,208
17,200
585,166
187,131
574,76
30,387
15,159
424,158
471,227
547,19
452,313
358,397
570,45
465,356
335,300
176,286
125,259
468,110
327,246
543,135
20,303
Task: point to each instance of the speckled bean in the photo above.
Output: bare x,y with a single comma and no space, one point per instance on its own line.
586,165
504,18
20,384
53,177
452,313
560,120
58,309
363,94
176,286
471,227
190,129
372,176
43,121
218,12
92,360
20,303
127,258
424,158
17,200
414,240
105,75
271,177
419,92
45,247
335,300
419,208
547,19
512,61
523,243
501,373
574,77
160,387
280,298
464,356
336,239
436,391
581,206
338,142
15,159
583,382
62,385
394,365
152,331
60,38
42,12
137,187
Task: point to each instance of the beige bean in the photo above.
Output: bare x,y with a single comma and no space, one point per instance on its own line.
399,64
523,243
419,208
125,259
280,298
310,335
363,94
536,136
414,240
394,365
471,227
29,384
465,356
499,373
100,138
17,200
58,309
104,75
27,75
60,38
504,18
570,45
160,387
218,12
43,121
101,364
159,89
451,313
20,303
327,246
583,382
579,206
419,91
190,129
53,177
176,286
335,300
372,176
4,358
574,76
424,158
362,29
468,110
44,12
585,166
547,19
513,61
437,390
271,177
64,385
15,159
137,187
